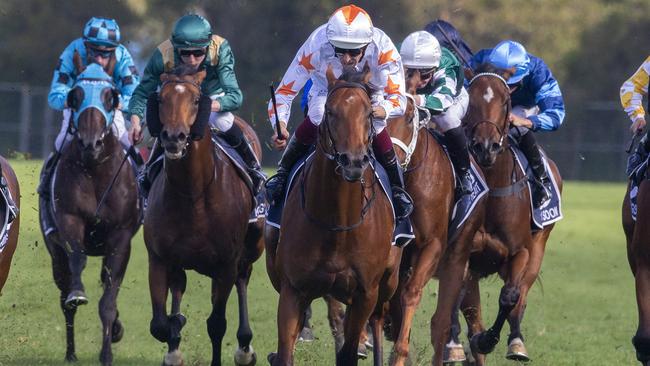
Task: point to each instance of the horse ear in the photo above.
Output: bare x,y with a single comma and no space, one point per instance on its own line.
78,64
331,79
164,77
110,98
506,74
366,73
74,98
200,76
469,73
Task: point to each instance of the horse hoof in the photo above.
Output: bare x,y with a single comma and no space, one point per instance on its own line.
75,298
306,335
517,351
245,356
453,353
174,358
71,358
117,332
271,357
362,351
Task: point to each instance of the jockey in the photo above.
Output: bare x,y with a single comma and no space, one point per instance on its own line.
441,91
348,39
193,43
632,92
100,44
449,38
537,105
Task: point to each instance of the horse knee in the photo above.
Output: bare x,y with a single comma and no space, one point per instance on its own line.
160,329
244,336
509,296
216,327
642,346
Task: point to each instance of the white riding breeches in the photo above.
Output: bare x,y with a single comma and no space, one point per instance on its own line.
222,121
118,127
452,117
316,107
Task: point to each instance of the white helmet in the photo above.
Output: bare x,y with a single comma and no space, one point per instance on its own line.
349,27
420,50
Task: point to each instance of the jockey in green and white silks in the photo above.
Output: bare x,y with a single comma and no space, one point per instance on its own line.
192,43
347,40
100,44
441,91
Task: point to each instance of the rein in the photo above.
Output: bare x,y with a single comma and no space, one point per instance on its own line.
417,125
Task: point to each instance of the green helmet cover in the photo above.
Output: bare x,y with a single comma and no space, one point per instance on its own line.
191,31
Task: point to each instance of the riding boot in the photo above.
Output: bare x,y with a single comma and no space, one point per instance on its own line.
275,186
148,172
459,155
46,175
245,150
401,200
639,155
541,186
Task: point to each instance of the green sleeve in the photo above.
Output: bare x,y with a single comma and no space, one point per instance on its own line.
232,98
148,84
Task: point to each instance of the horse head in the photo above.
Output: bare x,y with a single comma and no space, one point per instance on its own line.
488,117
93,100
180,113
346,132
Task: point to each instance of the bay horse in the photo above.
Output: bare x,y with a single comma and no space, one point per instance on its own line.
8,229
197,218
336,231
504,243
430,182
85,170
637,234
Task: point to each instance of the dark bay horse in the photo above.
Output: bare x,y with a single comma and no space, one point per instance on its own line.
8,232
197,218
504,243
337,228
430,182
637,234
86,168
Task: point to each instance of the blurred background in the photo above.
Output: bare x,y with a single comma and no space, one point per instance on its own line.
591,46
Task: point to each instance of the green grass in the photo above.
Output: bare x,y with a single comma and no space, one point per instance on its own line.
581,312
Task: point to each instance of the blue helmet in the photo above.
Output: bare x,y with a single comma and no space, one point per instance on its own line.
102,32
508,54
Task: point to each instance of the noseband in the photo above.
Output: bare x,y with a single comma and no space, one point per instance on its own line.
336,155
502,132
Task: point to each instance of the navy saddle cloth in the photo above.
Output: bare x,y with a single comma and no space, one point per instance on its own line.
638,175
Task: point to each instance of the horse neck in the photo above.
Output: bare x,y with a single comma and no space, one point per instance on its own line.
503,171
328,194
106,159
196,170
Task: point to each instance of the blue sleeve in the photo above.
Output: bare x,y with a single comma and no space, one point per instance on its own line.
548,98
125,76
63,78
479,58
305,94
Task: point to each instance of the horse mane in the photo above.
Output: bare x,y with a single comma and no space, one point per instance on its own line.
183,70
351,75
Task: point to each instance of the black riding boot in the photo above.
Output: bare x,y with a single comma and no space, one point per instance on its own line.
459,155
275,185
235,137
401,200
46,175
639,155
541,186
148,172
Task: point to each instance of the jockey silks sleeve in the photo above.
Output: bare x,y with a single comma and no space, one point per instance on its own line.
445,85
125,75
633,90
316,54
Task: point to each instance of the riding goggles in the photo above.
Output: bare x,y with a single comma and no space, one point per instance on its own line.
196,53
94,52
352,52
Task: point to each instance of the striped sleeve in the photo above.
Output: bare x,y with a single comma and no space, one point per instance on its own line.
633,90
444,89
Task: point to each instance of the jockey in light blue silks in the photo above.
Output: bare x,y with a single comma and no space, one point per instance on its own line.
537,104
100,44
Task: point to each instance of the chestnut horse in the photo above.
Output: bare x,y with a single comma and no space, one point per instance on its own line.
430,182
637,234
86,168
197,218
504,243
337,228
8,232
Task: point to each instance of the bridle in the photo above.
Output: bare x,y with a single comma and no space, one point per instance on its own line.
502,131
196,100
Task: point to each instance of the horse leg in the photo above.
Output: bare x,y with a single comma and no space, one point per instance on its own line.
454,351
335,316
271,237
76,259
61,274
291,310
423,270
216,322
356,317
508,298
113,268
471,308
387,287
159,326
177,281
640,263
377,326
245,355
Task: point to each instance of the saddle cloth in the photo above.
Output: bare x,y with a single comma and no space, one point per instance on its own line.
636,177
402,231
10,213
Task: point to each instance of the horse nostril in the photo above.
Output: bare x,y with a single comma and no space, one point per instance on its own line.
182,137
164,135
366,159
495,146
477,147
99,143
345,160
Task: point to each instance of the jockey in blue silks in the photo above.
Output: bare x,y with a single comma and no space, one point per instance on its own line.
99,44
450,38
537,104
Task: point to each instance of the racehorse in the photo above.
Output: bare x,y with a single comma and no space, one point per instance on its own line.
430,182
336,232
86,168
504,243
10,221
197,218
637,234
